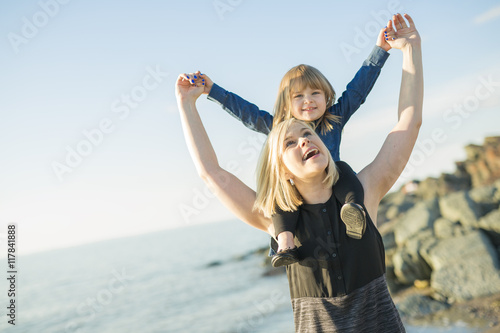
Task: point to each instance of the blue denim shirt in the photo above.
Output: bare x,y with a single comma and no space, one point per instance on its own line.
355,94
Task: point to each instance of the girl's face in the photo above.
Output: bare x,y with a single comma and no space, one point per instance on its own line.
305,154
308,104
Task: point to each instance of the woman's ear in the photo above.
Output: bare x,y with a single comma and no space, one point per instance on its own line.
284,171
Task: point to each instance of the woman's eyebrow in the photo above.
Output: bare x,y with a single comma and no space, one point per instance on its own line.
288,136
302,130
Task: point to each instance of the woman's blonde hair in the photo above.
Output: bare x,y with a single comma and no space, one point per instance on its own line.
273,189
296,79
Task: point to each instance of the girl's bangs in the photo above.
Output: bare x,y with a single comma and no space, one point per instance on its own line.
305,80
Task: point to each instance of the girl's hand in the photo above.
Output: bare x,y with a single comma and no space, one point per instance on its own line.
186,88
399,35
200,78
381,40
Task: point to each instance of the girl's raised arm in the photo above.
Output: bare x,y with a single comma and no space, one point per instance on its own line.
380,175
234,194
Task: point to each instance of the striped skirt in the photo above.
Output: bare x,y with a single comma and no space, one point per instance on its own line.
367,309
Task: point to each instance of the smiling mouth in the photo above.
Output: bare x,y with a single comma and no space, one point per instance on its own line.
310,153
309,109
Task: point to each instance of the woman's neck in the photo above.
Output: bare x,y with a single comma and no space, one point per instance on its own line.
313,191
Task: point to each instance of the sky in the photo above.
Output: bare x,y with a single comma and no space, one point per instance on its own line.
91,146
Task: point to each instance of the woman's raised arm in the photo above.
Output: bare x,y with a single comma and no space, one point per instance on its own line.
380,175
233,193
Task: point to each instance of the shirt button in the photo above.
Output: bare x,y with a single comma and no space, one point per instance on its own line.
339,277
329,232
324,210
334,255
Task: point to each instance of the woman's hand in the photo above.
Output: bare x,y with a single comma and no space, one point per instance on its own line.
186,89
400,35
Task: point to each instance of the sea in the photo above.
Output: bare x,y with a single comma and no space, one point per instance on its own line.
195,279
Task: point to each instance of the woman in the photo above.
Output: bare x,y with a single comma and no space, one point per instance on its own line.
339,284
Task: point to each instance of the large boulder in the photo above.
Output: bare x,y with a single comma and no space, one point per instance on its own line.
460,207
465,267
485,194
443,185
450,250
483,162
415,306
400,207
465,280
394,205
426,246
444,228
409,265
486,197
490,223
419,218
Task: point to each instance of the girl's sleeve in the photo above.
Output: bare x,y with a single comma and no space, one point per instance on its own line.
358,89
248,113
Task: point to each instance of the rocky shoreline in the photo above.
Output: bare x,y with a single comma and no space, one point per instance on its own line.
442,242
482,312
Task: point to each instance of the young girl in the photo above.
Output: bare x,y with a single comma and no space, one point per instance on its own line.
339,285
306,94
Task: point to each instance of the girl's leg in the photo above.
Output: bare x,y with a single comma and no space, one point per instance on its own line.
349,192
285,241
284,228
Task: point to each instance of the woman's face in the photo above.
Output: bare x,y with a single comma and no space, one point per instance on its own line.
304,155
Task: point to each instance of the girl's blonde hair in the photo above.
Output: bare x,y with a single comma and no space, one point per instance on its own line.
296,79
273,189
